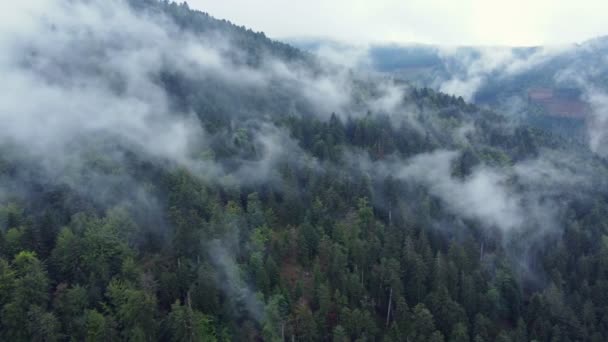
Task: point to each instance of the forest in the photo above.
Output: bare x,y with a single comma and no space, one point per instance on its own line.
168,176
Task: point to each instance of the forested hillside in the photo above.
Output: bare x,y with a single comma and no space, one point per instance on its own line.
559,88
165,175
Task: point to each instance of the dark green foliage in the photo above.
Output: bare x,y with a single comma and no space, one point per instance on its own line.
322,250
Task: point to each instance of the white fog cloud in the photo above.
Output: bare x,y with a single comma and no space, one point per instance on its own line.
470,22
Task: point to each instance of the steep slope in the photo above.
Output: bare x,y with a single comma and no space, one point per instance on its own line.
168,176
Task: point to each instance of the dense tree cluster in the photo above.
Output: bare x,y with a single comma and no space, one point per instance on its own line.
329,253
317,257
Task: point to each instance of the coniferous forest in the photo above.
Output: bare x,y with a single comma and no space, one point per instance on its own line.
168,176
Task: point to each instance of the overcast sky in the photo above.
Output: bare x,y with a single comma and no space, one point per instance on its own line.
448,22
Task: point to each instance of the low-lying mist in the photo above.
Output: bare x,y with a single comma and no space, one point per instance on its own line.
91,87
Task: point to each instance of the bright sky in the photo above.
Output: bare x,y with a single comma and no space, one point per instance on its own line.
451,22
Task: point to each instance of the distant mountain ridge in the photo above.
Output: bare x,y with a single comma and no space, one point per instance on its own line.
167,176
200,22
501,78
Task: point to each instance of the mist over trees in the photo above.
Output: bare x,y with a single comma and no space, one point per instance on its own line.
165,175
559,88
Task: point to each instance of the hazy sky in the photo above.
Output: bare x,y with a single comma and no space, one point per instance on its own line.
453,22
